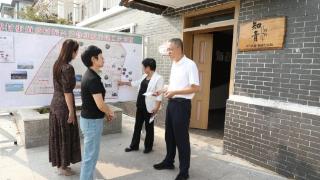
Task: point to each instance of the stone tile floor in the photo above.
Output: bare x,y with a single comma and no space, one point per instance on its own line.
207,161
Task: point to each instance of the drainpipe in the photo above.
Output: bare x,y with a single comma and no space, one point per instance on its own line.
18,10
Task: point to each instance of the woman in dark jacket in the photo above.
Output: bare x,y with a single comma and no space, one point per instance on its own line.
147,105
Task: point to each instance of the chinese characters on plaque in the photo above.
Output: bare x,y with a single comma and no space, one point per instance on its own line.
265,34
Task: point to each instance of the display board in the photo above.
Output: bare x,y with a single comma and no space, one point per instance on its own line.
28,51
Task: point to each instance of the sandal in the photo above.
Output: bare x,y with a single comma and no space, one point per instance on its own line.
66,172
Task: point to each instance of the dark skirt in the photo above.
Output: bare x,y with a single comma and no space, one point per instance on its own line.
64,140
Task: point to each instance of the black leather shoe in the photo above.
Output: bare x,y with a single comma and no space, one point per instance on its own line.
182,177
146,151
128,149
162,166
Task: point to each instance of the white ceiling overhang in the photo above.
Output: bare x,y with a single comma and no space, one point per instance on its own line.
157,6
174,4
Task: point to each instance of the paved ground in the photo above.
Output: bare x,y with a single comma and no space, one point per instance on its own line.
207,162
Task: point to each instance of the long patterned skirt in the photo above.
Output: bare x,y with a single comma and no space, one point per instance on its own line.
64,140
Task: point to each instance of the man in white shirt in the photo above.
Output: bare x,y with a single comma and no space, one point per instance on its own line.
183,83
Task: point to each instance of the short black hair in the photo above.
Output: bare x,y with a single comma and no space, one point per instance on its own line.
150,62
178,42
91,51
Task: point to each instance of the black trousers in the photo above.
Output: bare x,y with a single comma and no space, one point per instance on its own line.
143,116
177,132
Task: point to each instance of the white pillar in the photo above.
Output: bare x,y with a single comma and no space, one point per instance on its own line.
61,9
101,6
75,15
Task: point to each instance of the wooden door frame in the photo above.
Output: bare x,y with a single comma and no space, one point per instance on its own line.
219,26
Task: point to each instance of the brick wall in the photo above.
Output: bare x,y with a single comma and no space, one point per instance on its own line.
291,74
156,30
283,132
284,141
286,137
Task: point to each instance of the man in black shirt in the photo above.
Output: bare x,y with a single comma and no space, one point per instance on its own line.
94,110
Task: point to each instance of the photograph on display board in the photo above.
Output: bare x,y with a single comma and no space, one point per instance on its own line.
25,65
14,87
19,75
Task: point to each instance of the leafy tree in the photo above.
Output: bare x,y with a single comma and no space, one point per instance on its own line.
41,14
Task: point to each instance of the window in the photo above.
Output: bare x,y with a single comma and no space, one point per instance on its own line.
129,28
70,16
83,12
125,30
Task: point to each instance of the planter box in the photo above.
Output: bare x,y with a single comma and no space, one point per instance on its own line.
34,127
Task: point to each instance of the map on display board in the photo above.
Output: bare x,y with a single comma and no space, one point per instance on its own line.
28,51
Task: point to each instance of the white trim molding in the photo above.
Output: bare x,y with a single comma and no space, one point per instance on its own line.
130,26
276,104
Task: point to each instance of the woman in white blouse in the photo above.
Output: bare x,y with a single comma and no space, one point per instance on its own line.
147,104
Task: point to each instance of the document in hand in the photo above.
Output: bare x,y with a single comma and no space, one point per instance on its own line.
152,118
149,95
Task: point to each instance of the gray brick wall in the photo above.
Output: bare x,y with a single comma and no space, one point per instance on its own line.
287,142
293,73
156,30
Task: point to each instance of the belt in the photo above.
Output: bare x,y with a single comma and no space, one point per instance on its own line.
180,100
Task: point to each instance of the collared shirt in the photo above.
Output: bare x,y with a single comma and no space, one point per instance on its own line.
184,73
155,84
91,84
